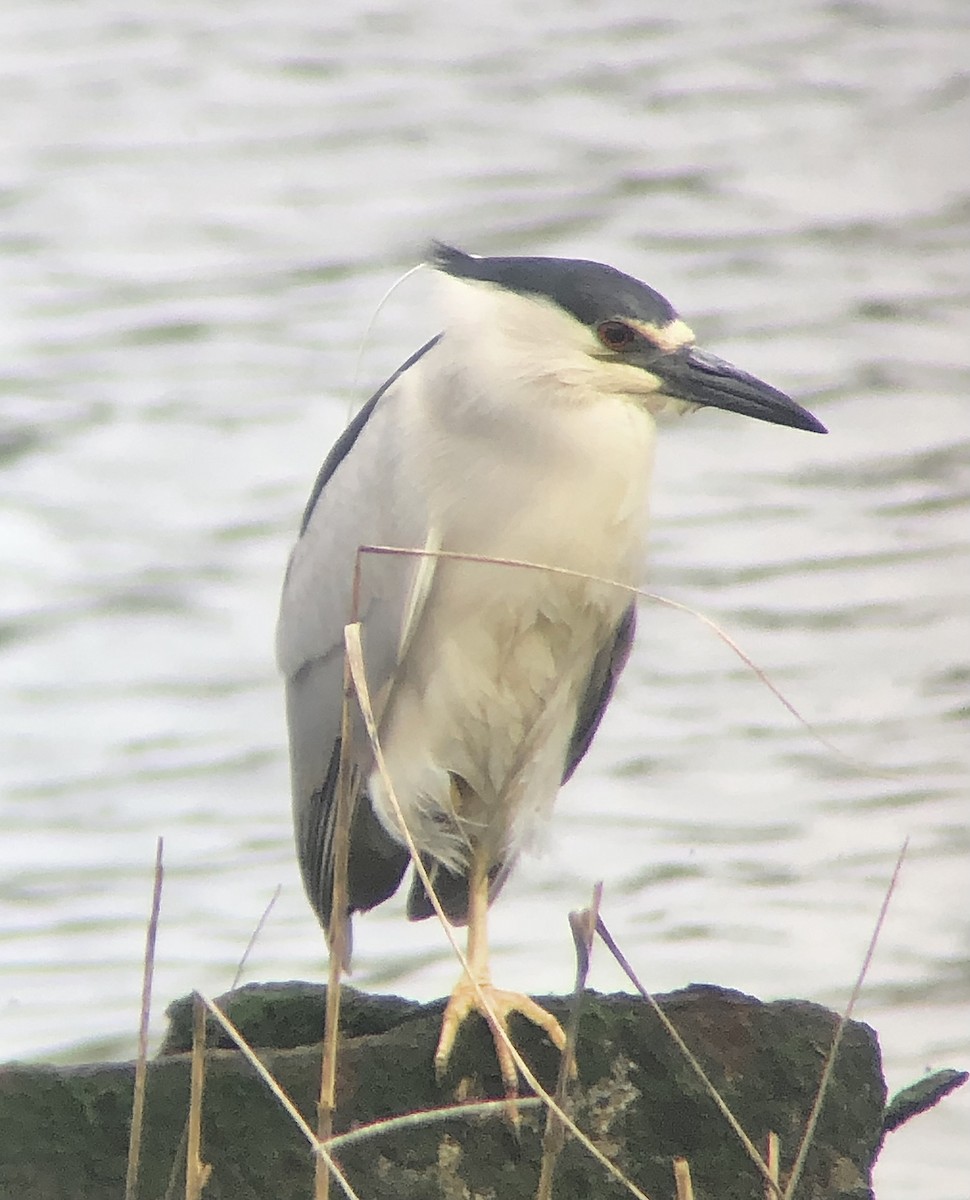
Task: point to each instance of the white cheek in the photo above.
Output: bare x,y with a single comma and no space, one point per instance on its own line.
506,337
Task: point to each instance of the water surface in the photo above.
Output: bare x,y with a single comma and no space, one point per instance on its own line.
200,210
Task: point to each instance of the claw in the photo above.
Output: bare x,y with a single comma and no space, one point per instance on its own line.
494,1004
464,1000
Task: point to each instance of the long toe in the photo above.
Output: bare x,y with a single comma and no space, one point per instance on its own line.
497,1007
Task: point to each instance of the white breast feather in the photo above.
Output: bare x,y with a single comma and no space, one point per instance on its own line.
496,662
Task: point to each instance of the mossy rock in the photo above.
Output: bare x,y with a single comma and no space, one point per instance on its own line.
65,1129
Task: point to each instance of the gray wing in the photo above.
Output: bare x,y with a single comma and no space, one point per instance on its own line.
363,495
599,688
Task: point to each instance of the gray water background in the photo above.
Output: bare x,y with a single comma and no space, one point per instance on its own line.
200,206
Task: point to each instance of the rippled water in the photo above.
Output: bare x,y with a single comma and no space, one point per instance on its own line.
200,208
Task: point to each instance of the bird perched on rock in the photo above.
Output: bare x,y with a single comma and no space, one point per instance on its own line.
525,431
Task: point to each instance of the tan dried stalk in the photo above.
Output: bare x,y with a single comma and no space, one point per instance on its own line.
141,1066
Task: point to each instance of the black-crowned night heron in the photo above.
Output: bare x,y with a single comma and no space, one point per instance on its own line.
524,431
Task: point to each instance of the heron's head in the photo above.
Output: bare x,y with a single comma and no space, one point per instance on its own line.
596,331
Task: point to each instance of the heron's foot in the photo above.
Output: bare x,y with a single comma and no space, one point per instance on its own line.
464,999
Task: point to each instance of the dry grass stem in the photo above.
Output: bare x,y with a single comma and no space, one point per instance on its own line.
682,1180
414,1120
698,1070
655,598
327,1100
254,938
196,1171
773,1158
141,1066
583,926
355,658
338,939
823,1082
280,1095
181,1149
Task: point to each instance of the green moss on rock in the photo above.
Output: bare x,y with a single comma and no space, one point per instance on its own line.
65,1130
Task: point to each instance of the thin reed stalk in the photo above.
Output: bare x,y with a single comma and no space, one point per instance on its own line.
141,1066
355,658
196,1171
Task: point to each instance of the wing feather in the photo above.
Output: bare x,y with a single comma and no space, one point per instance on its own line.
362,496
599,688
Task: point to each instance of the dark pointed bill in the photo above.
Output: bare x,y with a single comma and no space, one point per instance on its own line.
700,378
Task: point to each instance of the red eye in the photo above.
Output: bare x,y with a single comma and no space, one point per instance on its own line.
615,335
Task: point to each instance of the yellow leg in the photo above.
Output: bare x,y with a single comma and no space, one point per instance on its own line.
465,999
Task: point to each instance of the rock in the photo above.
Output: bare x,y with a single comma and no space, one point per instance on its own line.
921,1096
65,1129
